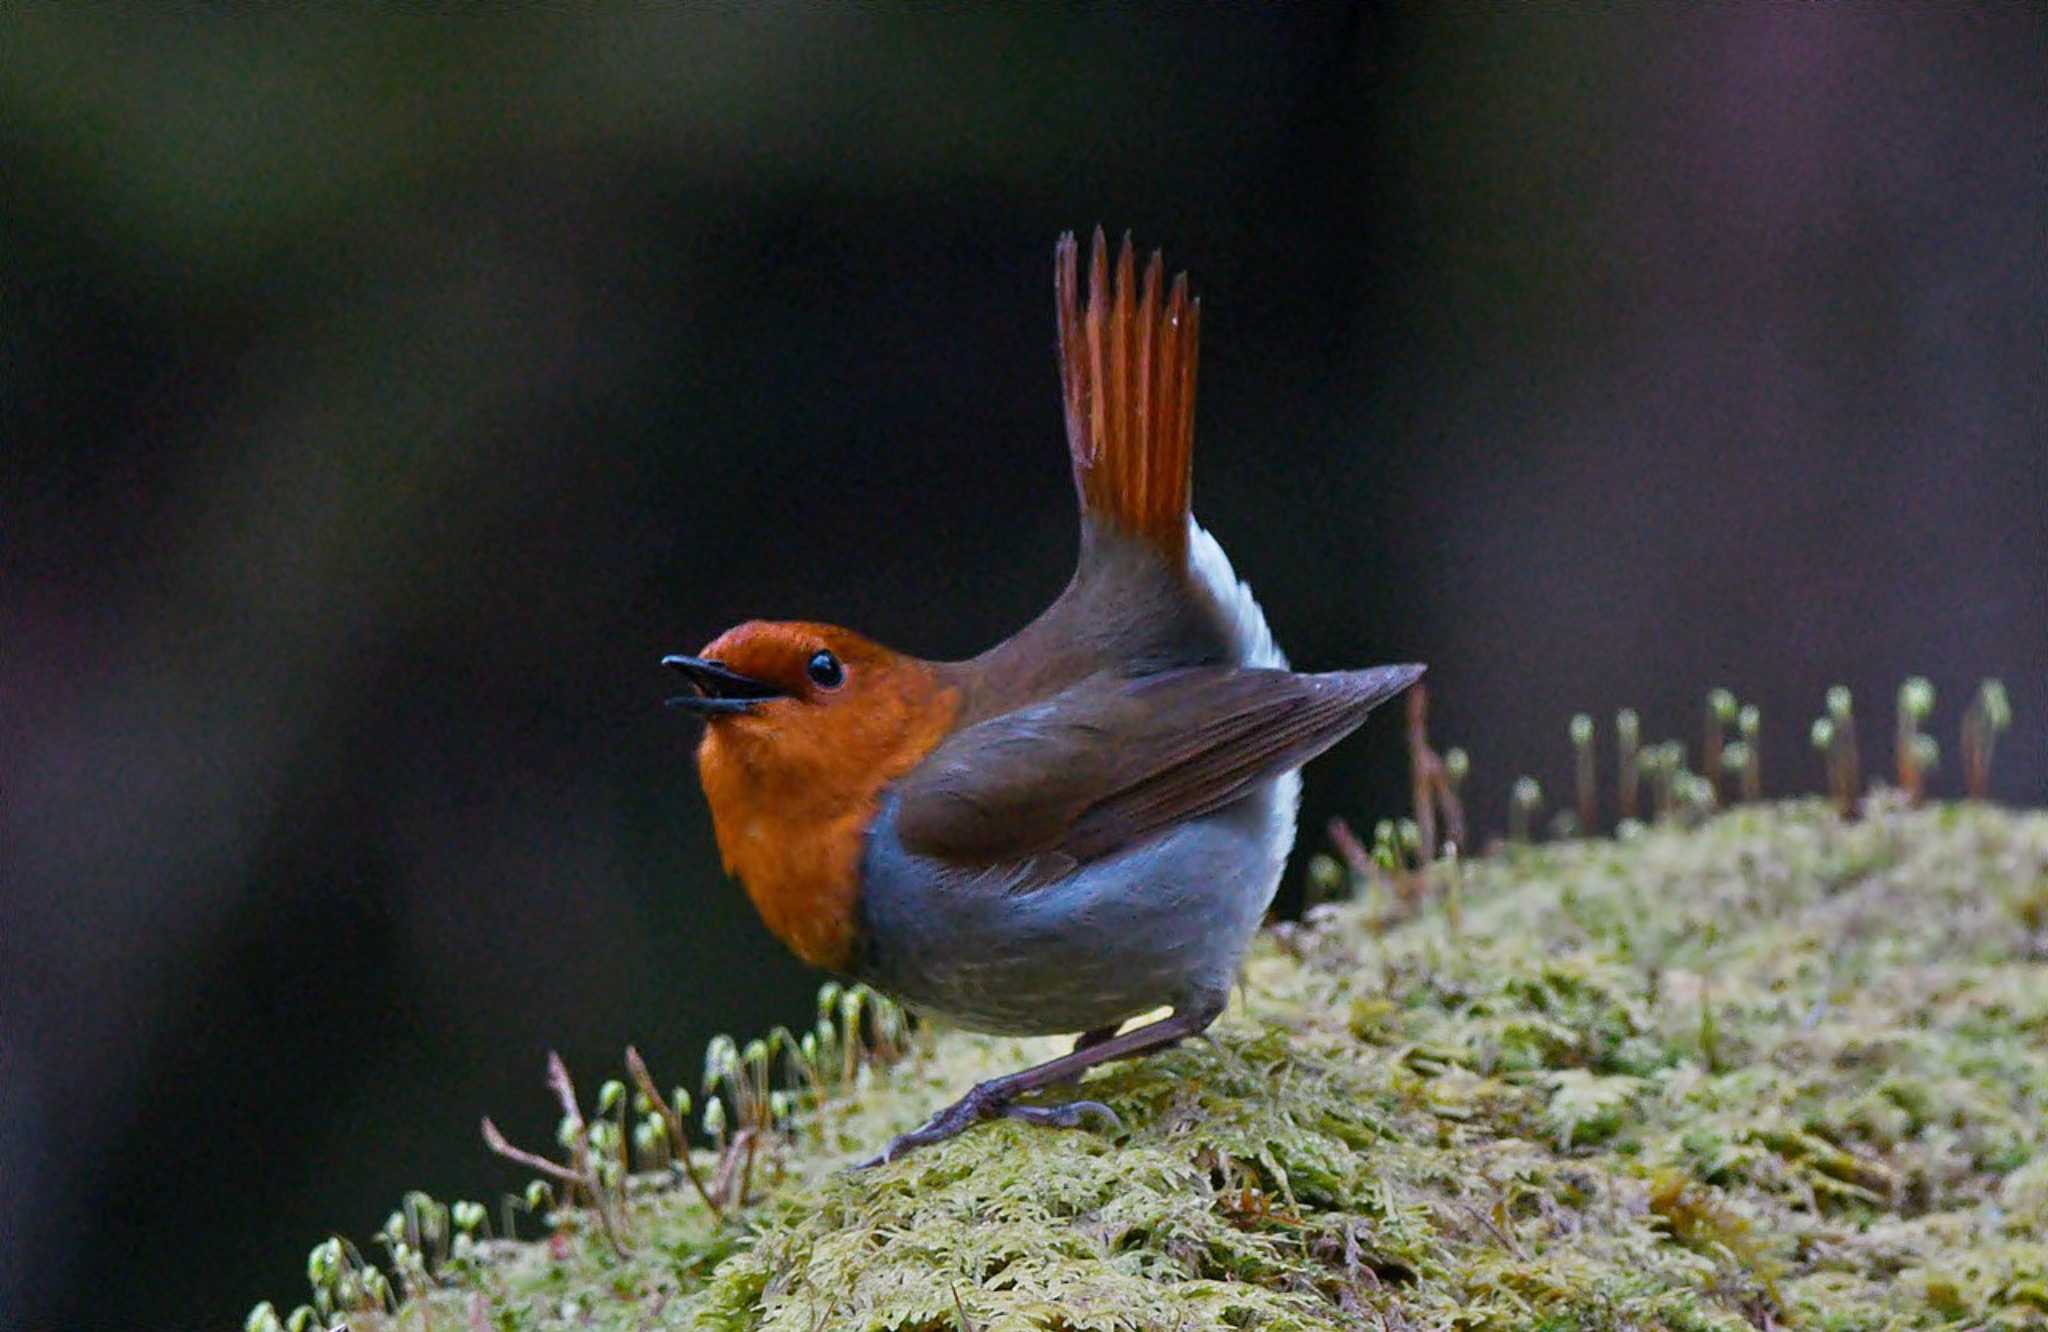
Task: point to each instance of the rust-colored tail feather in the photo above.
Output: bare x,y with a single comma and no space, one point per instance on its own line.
1127,369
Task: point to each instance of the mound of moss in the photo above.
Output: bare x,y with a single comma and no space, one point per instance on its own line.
1775,1070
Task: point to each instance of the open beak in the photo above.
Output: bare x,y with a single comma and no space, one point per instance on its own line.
720,690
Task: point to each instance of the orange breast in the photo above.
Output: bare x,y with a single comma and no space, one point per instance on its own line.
794,785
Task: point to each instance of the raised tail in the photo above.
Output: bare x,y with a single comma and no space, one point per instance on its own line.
1127,372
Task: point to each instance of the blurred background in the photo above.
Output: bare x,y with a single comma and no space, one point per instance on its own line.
381,396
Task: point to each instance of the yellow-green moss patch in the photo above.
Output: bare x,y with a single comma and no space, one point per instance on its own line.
1778,1070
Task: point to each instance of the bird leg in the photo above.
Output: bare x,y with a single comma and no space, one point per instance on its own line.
1091,1038
996,1098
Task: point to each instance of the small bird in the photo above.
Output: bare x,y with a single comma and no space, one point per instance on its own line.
1086,822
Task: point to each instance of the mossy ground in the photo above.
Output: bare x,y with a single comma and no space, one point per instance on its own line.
1775,1070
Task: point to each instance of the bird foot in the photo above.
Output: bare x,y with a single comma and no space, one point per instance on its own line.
986,1103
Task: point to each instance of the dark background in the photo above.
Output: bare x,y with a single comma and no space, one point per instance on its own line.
380,397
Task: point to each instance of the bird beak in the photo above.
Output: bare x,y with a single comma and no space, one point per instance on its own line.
721,691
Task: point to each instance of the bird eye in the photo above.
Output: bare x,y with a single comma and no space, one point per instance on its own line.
825,670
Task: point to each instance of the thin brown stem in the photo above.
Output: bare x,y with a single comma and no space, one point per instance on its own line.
747,1171
1356,858
1851,767
565,1092
1587,786
727,1181
1425,771
1627,763
555,1170
1452,807
637,1067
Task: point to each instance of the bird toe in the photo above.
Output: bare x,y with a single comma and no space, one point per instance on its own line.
1072,1115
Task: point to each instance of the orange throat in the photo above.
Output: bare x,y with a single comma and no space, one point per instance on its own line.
793,788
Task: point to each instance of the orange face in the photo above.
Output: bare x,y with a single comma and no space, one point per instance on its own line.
806,723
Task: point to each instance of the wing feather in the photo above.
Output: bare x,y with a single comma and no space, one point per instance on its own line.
1115,759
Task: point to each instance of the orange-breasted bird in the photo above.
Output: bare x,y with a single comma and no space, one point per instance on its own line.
1086,822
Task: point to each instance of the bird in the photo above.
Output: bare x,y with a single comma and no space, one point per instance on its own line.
1084,824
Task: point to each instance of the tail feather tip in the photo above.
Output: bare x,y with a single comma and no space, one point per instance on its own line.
1127,374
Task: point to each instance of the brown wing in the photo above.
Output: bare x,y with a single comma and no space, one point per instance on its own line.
1115,758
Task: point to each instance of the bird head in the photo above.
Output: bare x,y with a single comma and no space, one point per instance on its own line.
802,712
805,724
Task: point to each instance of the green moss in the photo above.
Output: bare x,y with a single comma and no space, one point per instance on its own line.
1775,1070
